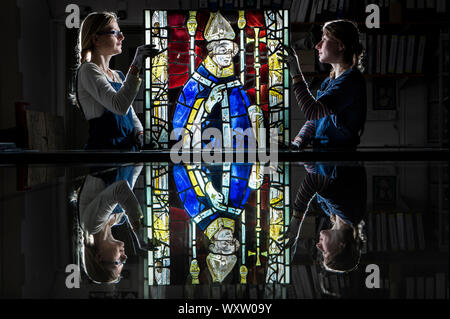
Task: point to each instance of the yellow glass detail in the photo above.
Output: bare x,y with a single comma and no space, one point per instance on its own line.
161,228
243,271
192,117
214,69
192,23
195,271
159,68
194,182
241,21
218,28
198,103
217,224
157,191
276,76
277,202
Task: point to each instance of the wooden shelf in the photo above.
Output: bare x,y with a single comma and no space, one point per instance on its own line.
371,76
430,23
422,257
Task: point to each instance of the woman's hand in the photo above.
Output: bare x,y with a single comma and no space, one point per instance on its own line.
137,224
139,139
292,233
137,219
298,143
291,59
143,52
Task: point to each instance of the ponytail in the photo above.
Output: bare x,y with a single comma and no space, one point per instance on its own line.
92,24
84,56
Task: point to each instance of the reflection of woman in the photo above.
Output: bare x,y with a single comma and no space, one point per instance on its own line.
341,193
336,117
105,95
101,207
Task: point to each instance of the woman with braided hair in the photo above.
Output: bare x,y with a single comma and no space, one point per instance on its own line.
341,193
335,118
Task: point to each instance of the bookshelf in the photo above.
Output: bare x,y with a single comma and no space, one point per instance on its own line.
443,83
367,76
391,11
438,187
408,239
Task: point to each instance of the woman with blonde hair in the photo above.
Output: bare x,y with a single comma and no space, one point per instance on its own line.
335,118
105,96
107,200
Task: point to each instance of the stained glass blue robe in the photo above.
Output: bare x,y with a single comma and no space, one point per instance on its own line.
231,113
236,191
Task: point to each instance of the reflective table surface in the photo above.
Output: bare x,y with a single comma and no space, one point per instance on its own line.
220,231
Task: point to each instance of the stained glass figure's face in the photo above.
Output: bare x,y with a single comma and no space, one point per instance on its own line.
223,53
156,30
224,234
224,242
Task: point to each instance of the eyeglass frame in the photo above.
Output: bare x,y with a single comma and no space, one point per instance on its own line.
116,33
117,262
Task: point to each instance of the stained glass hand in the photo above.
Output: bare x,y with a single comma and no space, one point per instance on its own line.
256,177
256,115
215,197
215,96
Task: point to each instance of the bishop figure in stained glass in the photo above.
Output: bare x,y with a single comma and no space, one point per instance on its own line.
214,97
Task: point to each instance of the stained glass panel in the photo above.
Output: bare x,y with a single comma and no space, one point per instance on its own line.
216,70
278,257
194,209
221,70
157,73
157,219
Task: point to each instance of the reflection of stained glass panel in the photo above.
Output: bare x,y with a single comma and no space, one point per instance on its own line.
278,270
260,212
157,183
262,79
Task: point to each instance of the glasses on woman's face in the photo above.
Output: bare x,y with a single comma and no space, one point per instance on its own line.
121,261
116,33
